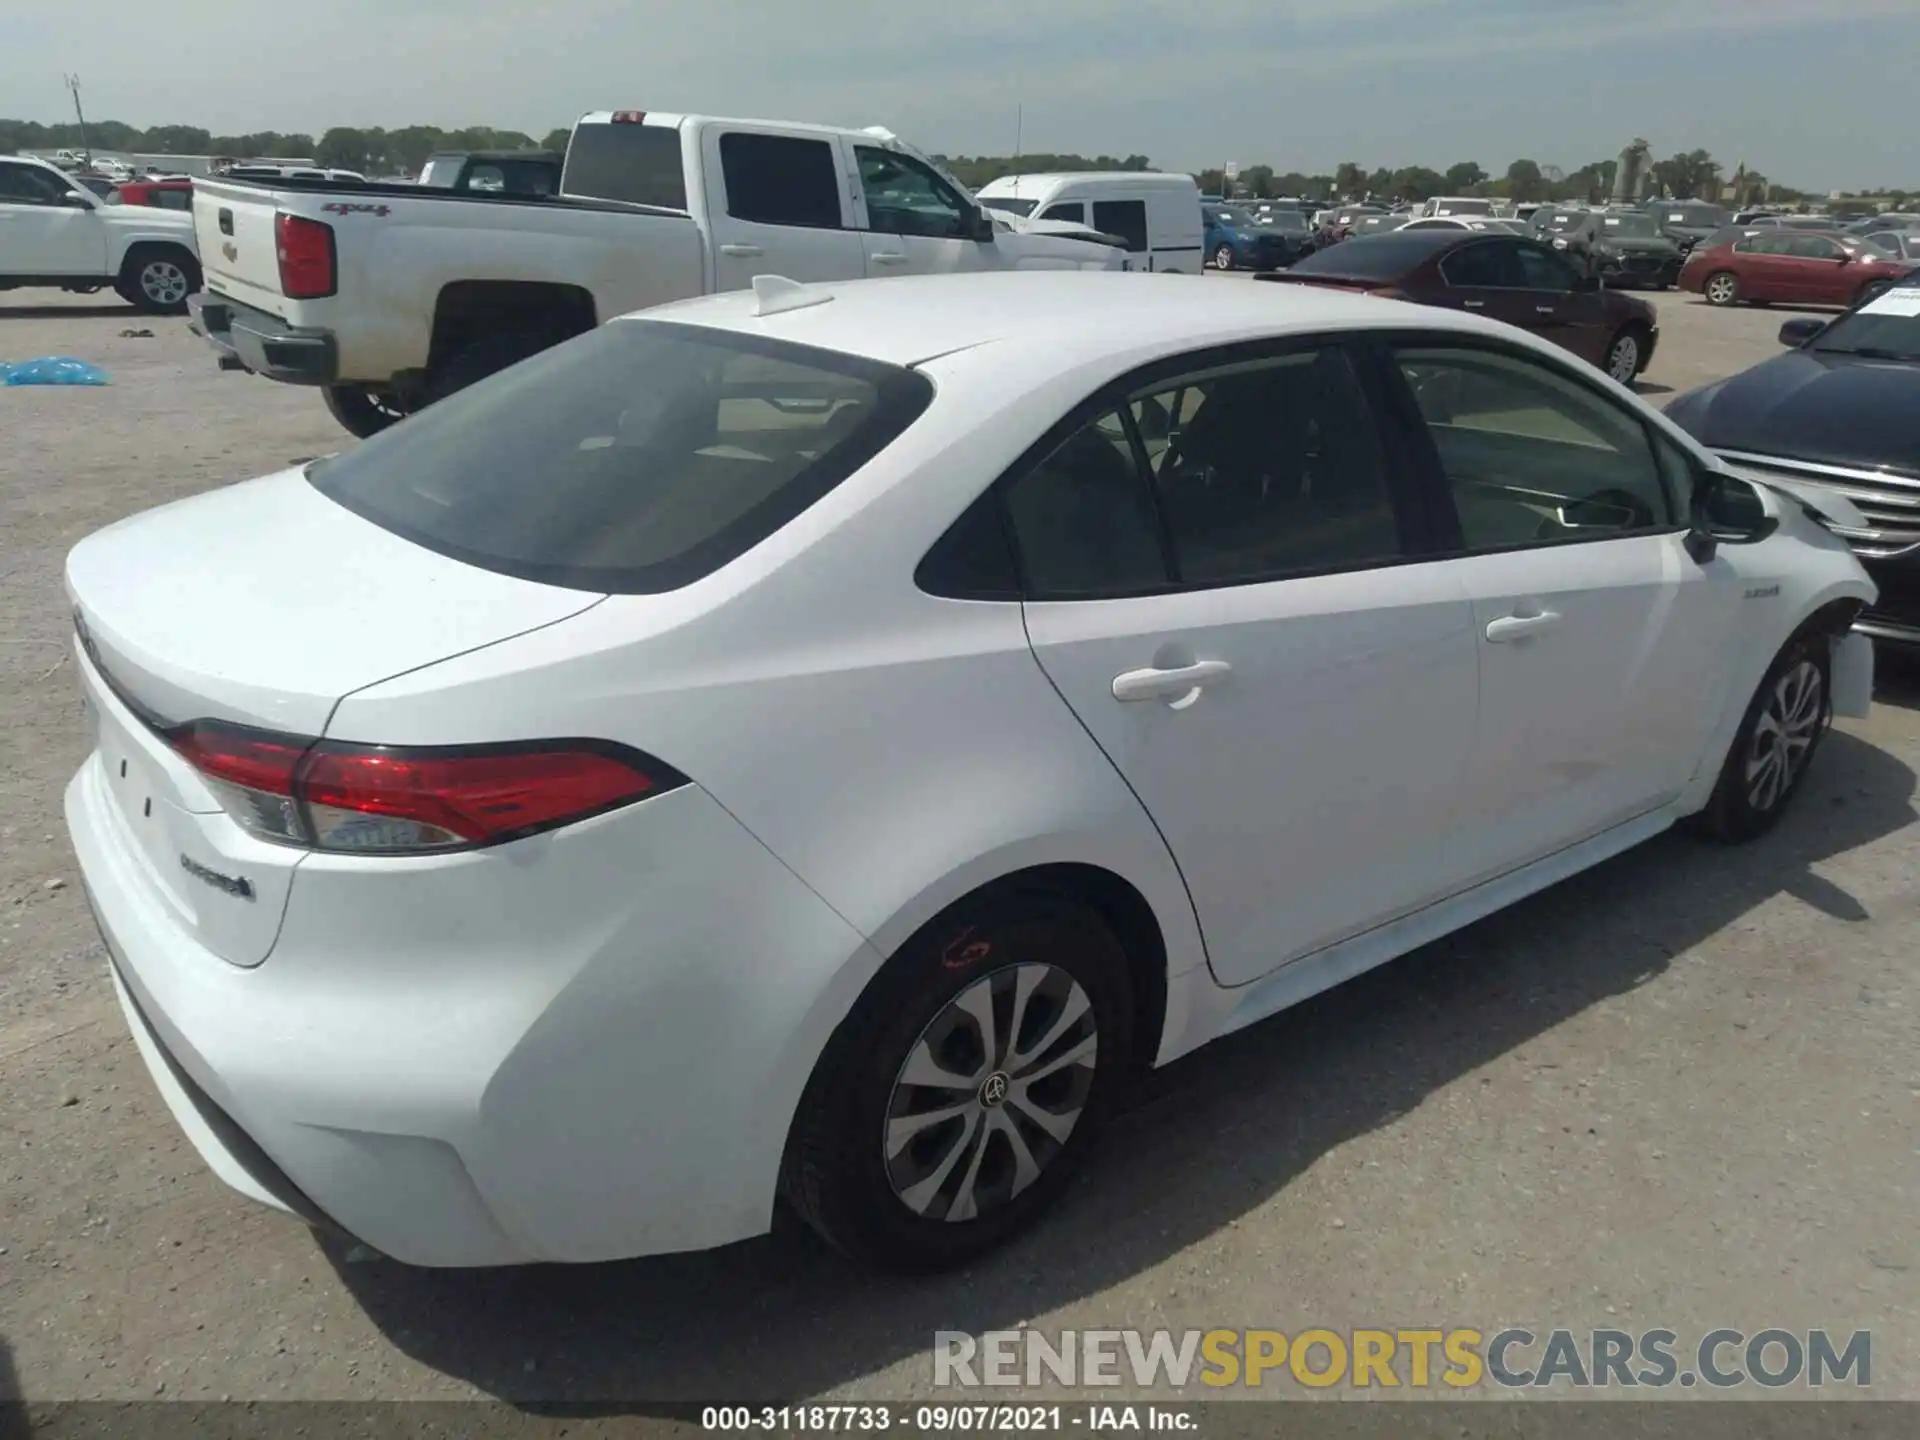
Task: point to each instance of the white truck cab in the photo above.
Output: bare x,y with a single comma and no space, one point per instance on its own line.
54,232
1156,215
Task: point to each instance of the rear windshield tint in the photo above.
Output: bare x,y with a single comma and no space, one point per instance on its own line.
639,164
634,459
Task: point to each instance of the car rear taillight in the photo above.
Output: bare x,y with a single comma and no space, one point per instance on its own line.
378,799
306,257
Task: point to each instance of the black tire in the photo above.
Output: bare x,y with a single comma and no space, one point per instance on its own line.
1742,808
839,1173
1223,258
157,279
1637,334
361,410
1722,288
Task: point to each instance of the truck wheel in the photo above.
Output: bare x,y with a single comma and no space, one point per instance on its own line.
1223,258
361,409
158,279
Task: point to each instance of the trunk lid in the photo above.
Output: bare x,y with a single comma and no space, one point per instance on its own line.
261,604
233,227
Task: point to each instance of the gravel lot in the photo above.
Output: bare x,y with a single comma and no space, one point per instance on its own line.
1682,1090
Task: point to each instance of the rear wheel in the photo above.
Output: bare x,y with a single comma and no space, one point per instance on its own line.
1722,288
1223,258
1783,726
158,279
958,1099
362,409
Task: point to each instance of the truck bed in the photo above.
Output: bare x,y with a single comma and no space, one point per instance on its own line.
398,248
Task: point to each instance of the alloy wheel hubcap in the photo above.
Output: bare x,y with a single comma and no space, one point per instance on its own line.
1789,724
991,1091
1625,361
1720,290
165,282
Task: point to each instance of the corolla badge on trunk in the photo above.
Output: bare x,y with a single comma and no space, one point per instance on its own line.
235,885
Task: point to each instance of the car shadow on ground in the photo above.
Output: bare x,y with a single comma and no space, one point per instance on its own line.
9,1381
1209,1139
117,309
1896,676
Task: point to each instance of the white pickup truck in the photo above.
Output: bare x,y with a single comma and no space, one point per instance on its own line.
53,231
388,297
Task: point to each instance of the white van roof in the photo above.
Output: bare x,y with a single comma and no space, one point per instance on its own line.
1090,179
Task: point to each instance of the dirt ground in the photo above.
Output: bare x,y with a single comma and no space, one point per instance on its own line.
1682,1090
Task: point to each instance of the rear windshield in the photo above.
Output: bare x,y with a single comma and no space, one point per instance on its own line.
1375,257
635,459
639,164
1008,203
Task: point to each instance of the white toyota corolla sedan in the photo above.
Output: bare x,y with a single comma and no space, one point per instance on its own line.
817,744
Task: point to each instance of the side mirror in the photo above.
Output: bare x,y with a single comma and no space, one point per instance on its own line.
1798,332
76,200
1726,512
979,226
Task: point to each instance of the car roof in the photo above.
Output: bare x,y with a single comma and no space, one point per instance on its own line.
1057,318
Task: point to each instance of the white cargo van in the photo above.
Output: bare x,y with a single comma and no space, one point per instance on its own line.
1158,216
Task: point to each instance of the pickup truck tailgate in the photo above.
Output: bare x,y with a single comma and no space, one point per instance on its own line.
239,254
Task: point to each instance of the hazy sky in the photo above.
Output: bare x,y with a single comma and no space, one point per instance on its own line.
1785,85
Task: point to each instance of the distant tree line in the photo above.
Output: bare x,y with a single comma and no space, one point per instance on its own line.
374,150
1688,175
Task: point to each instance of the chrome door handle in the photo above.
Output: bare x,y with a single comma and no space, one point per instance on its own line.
1474,304
887,257
1518,627
1543,310
1179,687
741,250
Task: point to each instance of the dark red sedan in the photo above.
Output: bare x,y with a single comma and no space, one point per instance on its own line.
1504,277
162,194
1792,267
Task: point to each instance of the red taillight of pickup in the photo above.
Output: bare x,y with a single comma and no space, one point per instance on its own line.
307,269
377,799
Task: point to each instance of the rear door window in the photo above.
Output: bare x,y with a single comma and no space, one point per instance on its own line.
1072,210
1491,265
639,164
780,180
635,459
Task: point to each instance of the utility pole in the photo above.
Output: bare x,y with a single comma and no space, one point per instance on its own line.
86,146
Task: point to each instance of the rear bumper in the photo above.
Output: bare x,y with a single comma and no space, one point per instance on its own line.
497,1057
249,339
